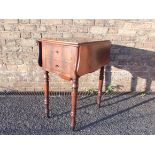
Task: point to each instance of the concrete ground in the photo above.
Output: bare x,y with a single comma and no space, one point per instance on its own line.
119,114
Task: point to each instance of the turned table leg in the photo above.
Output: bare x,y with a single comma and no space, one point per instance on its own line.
74,101
101,78
46,92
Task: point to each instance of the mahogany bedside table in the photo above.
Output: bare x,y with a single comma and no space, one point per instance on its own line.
70,59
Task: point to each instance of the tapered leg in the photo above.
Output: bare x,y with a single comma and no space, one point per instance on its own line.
101,78
74,101
46,92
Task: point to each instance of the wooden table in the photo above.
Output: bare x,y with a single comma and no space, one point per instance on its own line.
70,59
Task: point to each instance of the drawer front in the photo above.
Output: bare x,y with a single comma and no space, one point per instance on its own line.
59,52
55,52
59,67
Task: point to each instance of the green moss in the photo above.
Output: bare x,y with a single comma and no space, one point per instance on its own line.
109,89
91,91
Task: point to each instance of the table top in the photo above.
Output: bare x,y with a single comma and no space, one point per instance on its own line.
72,41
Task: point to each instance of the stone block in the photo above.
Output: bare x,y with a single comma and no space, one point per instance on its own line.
51,21
98,30
89,22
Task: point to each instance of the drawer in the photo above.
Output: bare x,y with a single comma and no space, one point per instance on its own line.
59,52
55,52
56,66
59,67
52,52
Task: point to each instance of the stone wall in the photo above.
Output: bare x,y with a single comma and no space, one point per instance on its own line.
132,64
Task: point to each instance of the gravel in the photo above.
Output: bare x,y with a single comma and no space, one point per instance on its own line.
22,113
